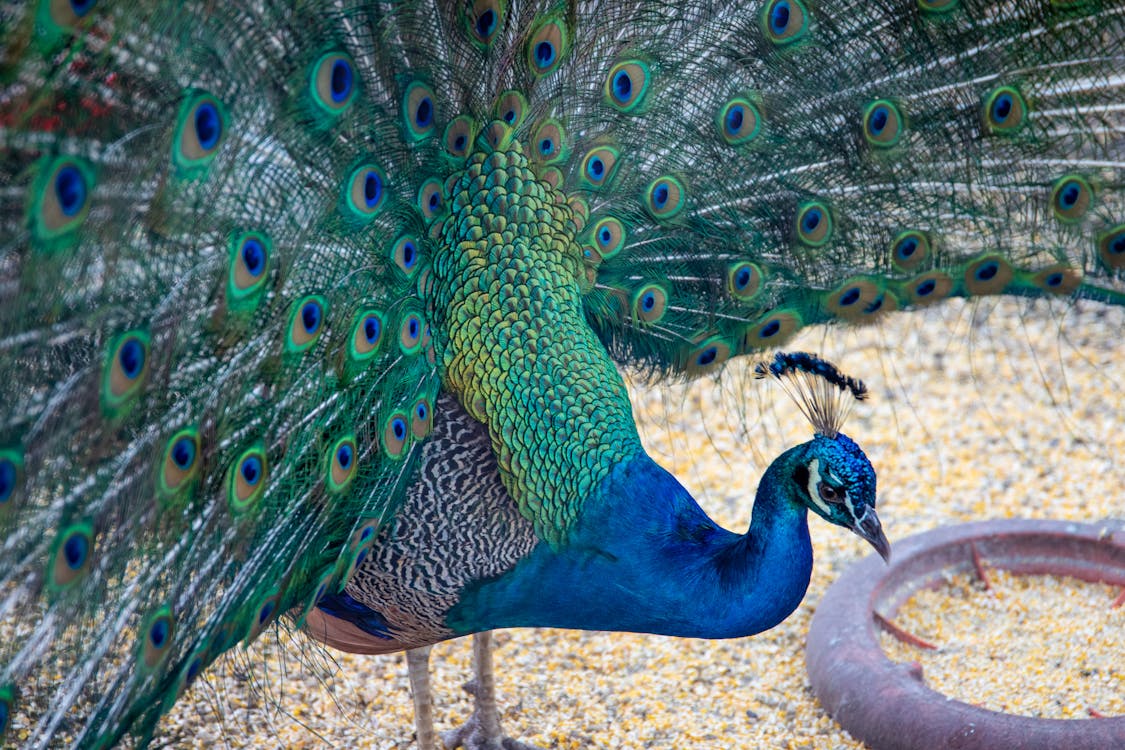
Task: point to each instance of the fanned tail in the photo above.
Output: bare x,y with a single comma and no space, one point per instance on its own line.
214,364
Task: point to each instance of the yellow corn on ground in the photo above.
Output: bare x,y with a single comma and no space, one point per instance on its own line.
1042,646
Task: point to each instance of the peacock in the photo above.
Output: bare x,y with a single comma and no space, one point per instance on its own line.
311,313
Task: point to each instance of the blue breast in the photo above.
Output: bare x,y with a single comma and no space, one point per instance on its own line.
645,558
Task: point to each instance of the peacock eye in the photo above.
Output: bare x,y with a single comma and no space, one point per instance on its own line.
830,494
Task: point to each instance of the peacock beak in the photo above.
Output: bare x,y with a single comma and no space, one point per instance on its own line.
869,528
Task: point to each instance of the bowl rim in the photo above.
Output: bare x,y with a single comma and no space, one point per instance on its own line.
886,704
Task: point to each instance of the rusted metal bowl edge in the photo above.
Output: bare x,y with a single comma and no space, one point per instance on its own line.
885,704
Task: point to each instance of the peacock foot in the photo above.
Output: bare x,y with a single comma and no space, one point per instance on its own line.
482,730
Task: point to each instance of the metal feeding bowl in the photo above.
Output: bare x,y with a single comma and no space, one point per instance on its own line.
886,704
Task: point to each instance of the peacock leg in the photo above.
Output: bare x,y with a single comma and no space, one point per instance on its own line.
482,730
418,668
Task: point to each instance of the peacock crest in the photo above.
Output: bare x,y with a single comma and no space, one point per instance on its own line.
824,394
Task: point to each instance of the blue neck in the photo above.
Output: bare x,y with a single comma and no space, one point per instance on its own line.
645,558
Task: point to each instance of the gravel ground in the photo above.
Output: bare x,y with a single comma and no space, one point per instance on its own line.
994,409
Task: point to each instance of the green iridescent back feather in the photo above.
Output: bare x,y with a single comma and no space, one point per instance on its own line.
231,284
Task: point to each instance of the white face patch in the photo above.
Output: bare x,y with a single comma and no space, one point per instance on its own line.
814,482
815,478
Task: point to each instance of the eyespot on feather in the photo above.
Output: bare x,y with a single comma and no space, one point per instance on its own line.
856,300
246,480
882,123
608,236
988,275
418,110
365,192
71,556
181,463
125,371
342,462
738,121
649,304
422,418
884,303
910,249
11,479
200,131
459,135
626,85
511,108
59,197
67,14
250,254
1004,111
405,253
665,198
772,330
744,280
154,640
549,142
265,612
1111,247
784,21
306,323
410,333
547,46
813,224
367,335
707,356
498,135
190,669
928,288
598,166
332,83
355,553
484,19
396,434
430,199
1058,279
7,707
1071,198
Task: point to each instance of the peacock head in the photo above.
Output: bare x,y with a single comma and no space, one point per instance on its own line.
831,475
837,482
